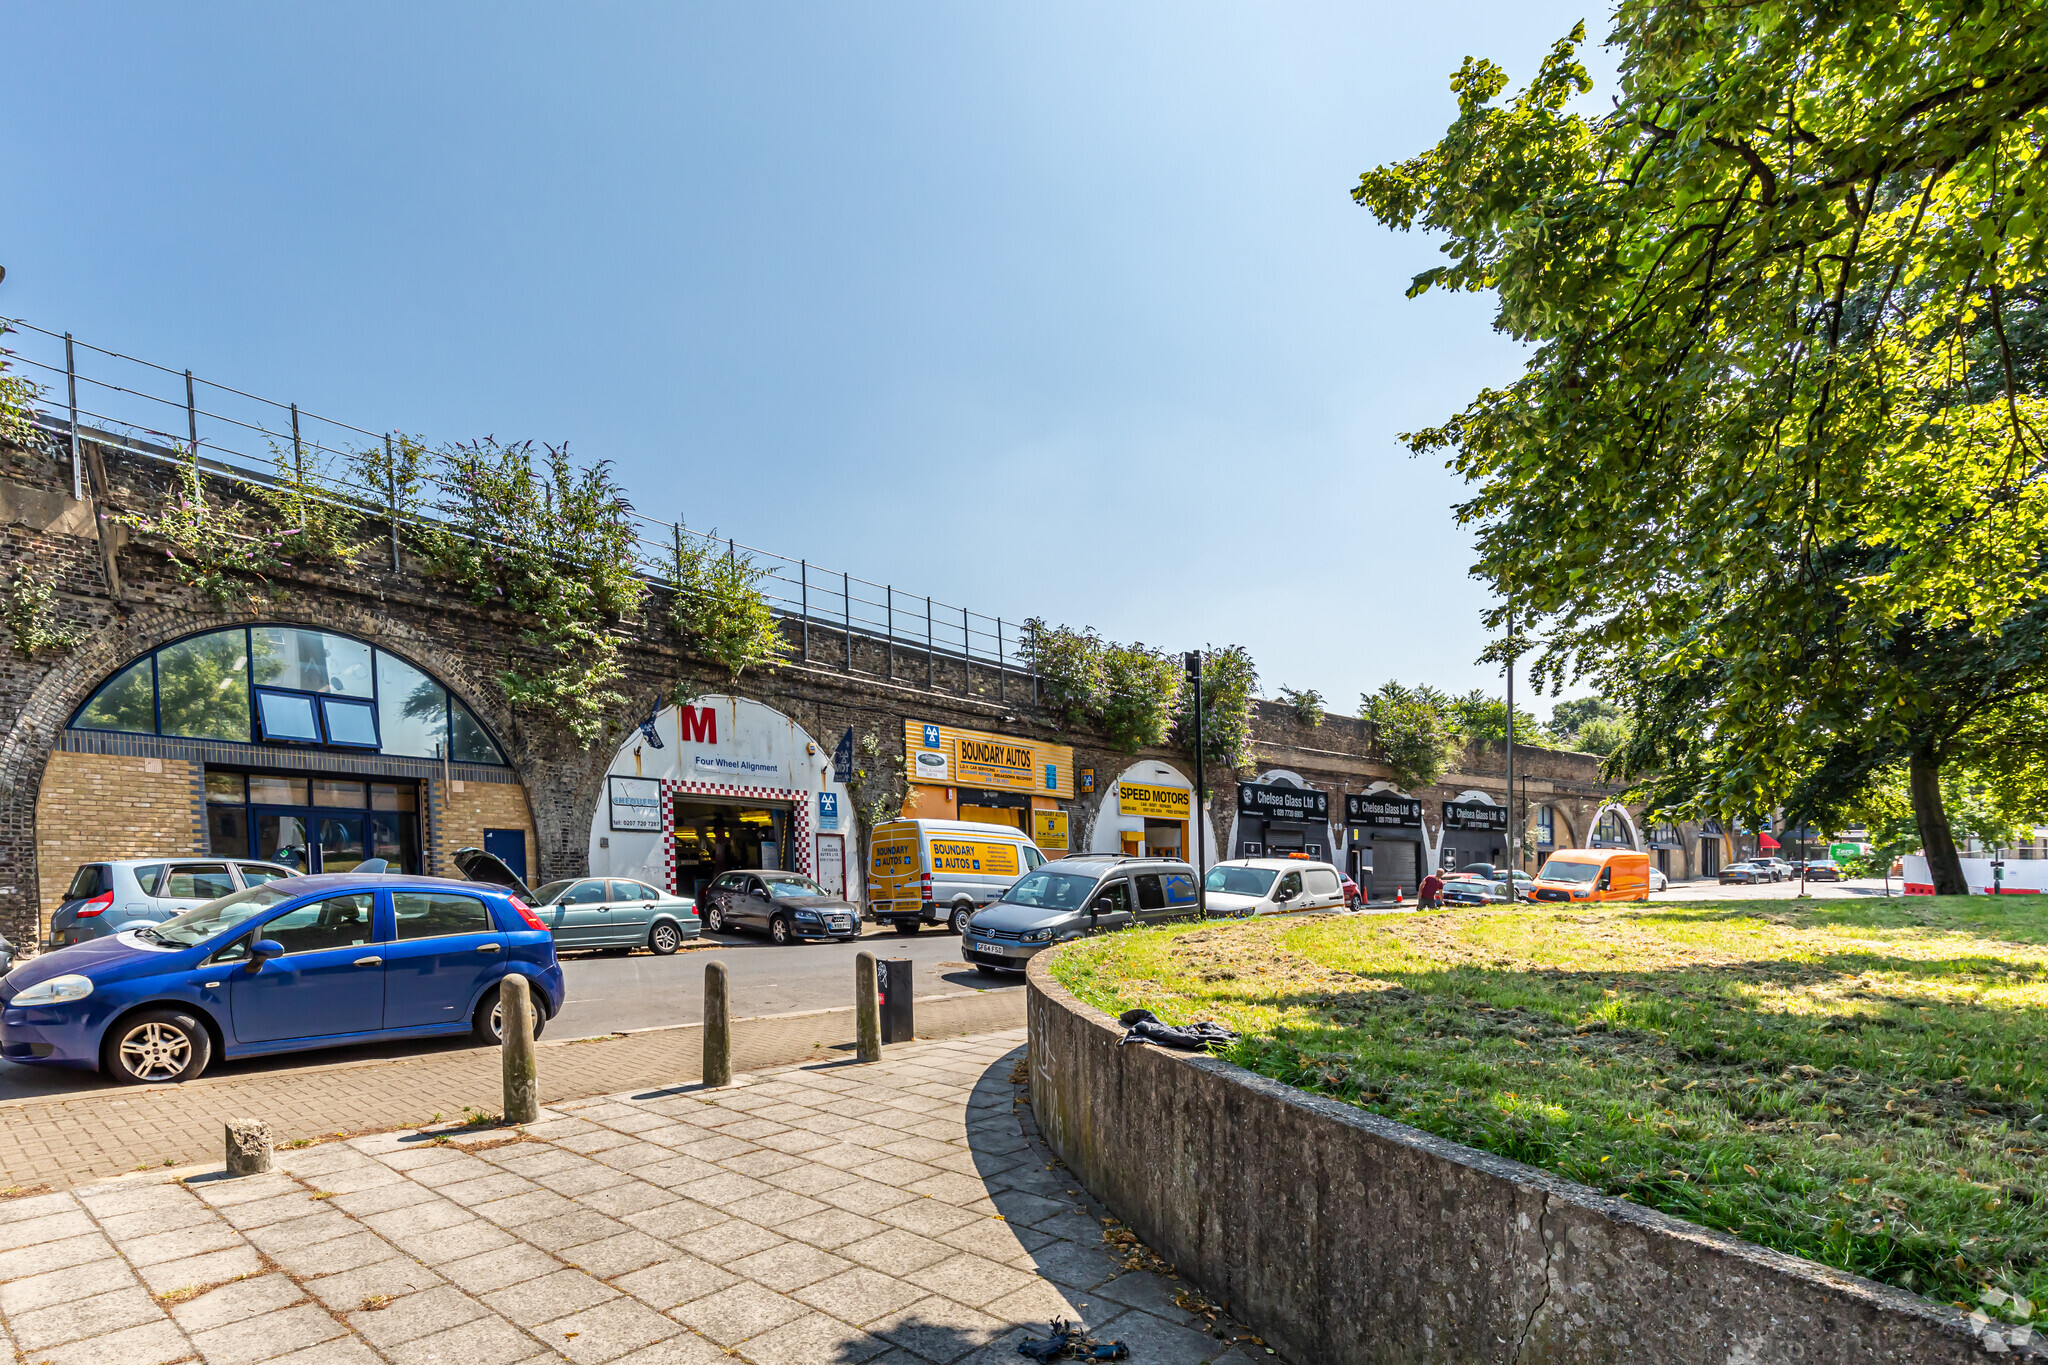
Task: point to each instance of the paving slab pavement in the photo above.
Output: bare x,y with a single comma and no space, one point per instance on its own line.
892,1213
56,1142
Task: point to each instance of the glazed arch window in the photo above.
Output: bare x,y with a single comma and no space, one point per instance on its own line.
287,685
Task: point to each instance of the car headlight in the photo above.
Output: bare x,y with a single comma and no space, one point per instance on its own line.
1039,936
809,915
58,990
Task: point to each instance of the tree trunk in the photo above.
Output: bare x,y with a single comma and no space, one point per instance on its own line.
1923,776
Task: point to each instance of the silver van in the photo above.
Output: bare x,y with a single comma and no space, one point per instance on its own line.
1084,894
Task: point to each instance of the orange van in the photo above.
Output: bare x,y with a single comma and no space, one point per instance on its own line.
1594,874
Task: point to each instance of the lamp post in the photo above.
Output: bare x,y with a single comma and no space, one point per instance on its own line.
1514,826
1194,663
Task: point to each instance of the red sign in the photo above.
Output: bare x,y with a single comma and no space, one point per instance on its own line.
1766,841
697,723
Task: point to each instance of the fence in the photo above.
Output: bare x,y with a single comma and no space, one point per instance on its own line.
123,403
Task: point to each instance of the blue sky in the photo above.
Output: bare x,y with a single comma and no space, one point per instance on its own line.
1011,306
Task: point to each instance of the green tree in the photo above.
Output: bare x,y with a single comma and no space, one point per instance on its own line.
1773,434
1479,716
1130,691
1414,730
1569,716
1306,704
717,605
1229,680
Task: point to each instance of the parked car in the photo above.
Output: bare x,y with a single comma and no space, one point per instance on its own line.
1469,888
294,964
1352,899
1744,874
1658,881
941,871
6,956
1086,893
105,898
1267,886
1823,870
1496,879
1779,869
614,913
787,906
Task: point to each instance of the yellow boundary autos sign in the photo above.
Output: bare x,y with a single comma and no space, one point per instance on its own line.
1154,803
945,755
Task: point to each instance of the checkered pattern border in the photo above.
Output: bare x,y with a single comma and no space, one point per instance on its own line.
671,787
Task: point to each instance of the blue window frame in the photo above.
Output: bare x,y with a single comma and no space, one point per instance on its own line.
288,685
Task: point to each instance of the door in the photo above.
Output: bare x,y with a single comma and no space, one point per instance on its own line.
1324,890
330,980
632,907
1118,913
752,906
341,841
831,864
1151,898
580,916
281,837
508,846
444,950
1396,863
1287,892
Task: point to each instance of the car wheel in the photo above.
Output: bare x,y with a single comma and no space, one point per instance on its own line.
909,928
489,1023
778,930
714,920
961,914
157,1045
664,939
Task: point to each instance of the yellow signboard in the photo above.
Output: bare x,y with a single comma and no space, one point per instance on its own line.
944,755
1049,830
1154,803
973,856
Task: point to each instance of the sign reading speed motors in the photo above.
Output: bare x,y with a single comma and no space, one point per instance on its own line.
1153,803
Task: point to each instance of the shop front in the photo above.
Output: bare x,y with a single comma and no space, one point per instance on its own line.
1280,814
1146,813
722,784
1386,836
1475,831
956,774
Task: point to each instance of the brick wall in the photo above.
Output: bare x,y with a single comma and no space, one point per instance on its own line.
94,807
459,819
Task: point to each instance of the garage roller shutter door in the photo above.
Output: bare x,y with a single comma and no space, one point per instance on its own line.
1395,863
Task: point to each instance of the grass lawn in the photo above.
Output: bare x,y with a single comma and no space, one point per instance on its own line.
1861,1082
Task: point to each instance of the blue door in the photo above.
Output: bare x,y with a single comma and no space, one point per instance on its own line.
508,846
444,952
329,981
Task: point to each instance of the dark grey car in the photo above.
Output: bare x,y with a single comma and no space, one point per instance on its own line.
786,905
1070,897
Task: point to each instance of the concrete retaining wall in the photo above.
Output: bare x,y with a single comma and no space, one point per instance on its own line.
1345,1237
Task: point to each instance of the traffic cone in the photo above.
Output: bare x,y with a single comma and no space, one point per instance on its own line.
1397,896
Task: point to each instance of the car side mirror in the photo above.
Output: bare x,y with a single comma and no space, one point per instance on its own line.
1105,906
262,950
759,895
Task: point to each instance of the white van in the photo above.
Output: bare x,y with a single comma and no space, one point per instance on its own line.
941,871
1269,886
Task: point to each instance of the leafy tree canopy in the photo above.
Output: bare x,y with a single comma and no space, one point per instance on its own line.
1774,469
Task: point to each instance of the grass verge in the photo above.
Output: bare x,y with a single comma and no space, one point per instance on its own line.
1860,1082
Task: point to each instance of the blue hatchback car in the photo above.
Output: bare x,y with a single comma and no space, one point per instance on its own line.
303,962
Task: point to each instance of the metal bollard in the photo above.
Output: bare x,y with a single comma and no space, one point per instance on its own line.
522,1063
867,1007
248,1147
717,1027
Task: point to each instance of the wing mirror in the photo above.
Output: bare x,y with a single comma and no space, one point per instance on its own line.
262,950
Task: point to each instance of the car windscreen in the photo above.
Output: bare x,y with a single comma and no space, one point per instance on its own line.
1558,870
1239,881
792,886
196,926
546,895
1048,890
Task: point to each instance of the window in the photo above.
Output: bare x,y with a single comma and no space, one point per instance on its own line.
286,716
337,922
545,895
1051,890
585,893
278,791
203,686
391,796
1240,881
627,892
284,684
1180,889
437,914
197,881
1118,894
327,792
226,789
89,881
1546,828
1609,830
127,701
196,926
1322,881
1033,859
255,874
146,875
353,723
1151,895
793,886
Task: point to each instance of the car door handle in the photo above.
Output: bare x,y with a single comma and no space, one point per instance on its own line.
488,947
368,961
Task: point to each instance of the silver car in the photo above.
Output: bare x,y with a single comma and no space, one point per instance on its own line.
105,898
617,913
1069,897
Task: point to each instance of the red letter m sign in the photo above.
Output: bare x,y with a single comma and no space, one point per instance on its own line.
698,723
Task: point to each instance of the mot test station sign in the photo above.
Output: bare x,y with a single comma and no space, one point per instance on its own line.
1049,830
635,805
945,755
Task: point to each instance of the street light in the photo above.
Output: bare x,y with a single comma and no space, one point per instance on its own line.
1194,665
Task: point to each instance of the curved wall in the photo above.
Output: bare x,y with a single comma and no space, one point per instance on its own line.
1346,1238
